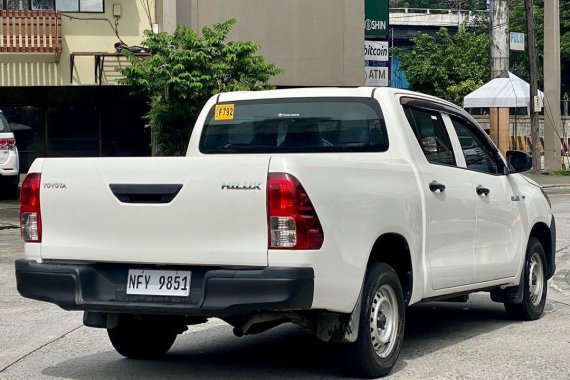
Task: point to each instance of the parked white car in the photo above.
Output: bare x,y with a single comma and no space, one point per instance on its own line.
330,208
9,164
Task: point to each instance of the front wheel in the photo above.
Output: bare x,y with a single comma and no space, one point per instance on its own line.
138,338
534,285
382,321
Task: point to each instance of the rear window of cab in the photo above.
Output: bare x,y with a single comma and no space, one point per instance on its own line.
295,125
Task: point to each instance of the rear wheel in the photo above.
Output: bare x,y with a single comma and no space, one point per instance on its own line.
382,321
139,338
534,285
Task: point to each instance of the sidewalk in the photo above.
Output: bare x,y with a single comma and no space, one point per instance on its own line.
551,183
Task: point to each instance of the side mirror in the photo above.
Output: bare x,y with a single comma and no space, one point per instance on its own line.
518,161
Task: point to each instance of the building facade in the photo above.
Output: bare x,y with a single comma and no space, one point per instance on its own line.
40,40
316,42
58,78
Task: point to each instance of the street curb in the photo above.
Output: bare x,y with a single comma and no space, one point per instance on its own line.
555,186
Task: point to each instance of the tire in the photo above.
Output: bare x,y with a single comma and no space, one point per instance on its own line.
382,320
141,338
534,285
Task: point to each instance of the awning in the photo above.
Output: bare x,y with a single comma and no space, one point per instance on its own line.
505,91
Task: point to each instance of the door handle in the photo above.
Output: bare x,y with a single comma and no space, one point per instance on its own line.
435,186
135,193
482,190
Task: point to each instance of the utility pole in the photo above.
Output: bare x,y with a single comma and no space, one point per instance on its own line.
499,119
552,120
499,36
534,130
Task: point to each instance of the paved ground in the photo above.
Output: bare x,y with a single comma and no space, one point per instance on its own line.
8,214
443,340
553,184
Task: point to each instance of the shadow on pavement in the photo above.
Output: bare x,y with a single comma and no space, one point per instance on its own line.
289,351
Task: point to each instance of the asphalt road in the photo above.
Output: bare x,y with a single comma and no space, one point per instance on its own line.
470,340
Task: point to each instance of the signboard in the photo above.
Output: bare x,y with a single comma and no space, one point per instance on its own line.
376,51
538,103
376,18
376,62
517,41
376,74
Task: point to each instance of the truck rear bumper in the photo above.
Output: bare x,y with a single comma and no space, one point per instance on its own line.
214,292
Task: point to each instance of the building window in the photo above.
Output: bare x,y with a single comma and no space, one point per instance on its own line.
17,4
80,5
42,5
88,6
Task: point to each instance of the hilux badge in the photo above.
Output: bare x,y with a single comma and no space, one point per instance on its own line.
241,185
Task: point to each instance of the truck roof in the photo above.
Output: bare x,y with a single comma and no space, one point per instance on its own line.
320,92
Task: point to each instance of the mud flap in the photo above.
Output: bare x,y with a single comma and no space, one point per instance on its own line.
513,294
338,327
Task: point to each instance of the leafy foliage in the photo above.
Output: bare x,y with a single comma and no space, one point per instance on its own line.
184,70
519,63
446,66
517,23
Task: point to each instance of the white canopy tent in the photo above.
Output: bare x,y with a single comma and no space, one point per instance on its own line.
505,91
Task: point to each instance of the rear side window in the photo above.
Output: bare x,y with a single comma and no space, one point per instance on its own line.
296,125
432,136
4,126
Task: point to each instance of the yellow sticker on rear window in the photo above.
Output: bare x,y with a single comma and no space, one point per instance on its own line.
224,112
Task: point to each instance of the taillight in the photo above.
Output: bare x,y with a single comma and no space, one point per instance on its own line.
30,215
7,143
293,221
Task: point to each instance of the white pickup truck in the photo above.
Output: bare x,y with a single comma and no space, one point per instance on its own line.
333,209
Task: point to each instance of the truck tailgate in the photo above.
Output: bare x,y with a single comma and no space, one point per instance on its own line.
218,217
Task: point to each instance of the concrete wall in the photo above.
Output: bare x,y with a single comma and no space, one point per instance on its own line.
316,42
79,36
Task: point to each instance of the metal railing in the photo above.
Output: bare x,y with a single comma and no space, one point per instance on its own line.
437,11
30,32
434,17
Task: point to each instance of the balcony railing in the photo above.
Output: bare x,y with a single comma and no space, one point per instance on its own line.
30,32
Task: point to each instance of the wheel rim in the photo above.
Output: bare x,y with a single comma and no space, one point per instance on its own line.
536,279
384,321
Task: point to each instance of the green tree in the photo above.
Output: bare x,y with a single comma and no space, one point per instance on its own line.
184,70
446,66
519,63
517,23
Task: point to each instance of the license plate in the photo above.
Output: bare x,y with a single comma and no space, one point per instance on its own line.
158,282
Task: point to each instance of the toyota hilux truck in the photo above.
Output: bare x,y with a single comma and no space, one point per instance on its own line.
332,208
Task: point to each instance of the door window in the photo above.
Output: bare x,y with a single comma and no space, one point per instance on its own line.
479,156
432,136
